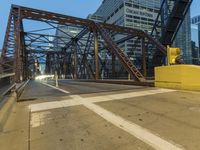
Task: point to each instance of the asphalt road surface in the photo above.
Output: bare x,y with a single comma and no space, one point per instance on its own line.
98,116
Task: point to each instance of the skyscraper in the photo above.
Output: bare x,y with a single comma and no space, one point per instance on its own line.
138,14
196,21
183,40
195,30
195,44
183,37
141,14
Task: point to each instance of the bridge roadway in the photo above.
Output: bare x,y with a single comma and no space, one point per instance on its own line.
98,116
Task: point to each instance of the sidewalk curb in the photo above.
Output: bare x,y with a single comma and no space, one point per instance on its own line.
6,107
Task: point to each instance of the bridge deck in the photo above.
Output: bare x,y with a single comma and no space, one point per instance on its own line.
92,116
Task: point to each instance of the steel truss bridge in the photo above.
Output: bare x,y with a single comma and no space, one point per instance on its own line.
95,49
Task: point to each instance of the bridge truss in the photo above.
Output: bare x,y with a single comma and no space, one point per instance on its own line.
169,19
94,51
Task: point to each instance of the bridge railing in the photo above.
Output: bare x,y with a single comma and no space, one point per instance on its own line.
6,84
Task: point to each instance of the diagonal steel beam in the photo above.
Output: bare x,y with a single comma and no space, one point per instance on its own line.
77,37
126,62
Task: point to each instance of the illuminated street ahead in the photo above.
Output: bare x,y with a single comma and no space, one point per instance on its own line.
81,115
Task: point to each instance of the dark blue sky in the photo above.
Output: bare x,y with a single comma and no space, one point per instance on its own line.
79,8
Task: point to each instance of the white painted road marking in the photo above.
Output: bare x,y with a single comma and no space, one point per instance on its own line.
72,102
61,90
53,105
127,95
141,133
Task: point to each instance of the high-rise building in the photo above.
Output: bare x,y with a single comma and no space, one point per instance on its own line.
196,21
138,14
95,18
68,32
183,39
195,30
64,34
195,44
141,14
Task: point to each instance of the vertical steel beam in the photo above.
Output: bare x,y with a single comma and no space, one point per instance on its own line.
24,57
17,64
65,65
75,59
144,62
113,65
96,51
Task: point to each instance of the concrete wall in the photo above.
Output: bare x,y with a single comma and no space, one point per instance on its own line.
6,107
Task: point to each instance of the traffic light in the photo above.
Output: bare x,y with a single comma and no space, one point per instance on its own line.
173,56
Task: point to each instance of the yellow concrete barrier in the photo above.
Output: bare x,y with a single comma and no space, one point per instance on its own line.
185,77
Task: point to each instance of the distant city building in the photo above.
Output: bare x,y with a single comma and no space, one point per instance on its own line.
95,18
67,32
64,35
183,40
138,14
196,21
196,39
183,37
141,14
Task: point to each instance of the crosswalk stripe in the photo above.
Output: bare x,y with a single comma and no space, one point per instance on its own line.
139,132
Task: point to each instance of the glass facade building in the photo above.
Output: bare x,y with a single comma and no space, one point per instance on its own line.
138,14
196,21
141,14
183,40
67,33
183,37
195,30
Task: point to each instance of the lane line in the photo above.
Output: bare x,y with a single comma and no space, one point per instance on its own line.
70,102
61,90
137,131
